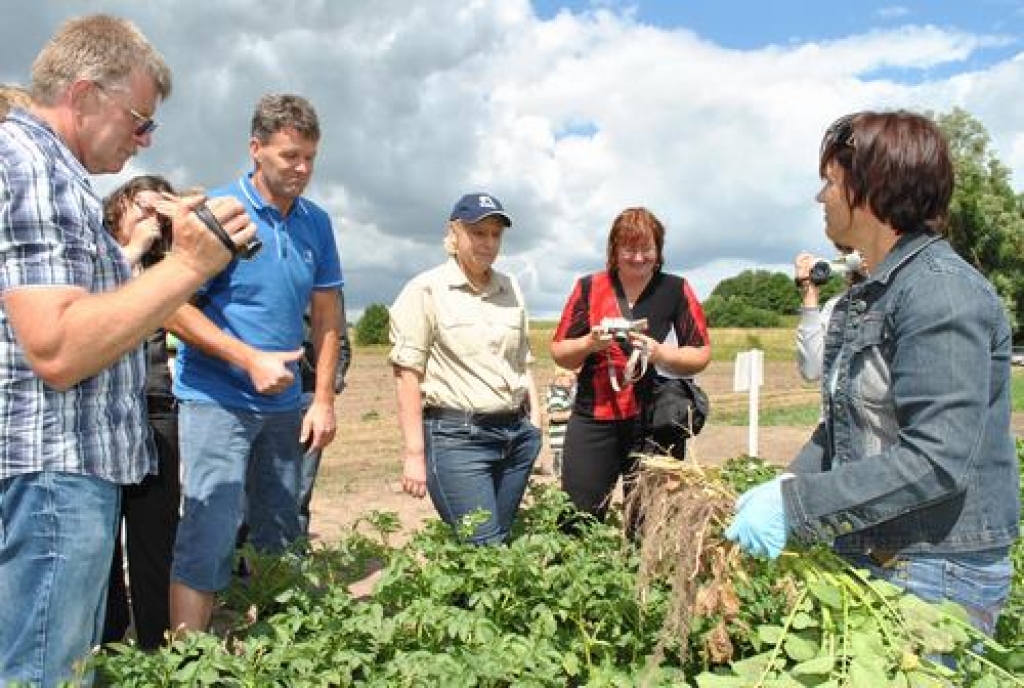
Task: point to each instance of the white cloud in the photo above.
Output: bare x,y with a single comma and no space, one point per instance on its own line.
567,121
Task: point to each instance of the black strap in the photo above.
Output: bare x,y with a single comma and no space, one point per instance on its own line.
214,225
624,310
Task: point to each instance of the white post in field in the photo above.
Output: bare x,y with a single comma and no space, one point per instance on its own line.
748,376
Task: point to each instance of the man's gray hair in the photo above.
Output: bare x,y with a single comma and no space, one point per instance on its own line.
99,48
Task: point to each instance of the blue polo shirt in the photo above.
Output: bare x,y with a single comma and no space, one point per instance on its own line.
261,301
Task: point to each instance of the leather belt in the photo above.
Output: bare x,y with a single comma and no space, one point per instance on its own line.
470,418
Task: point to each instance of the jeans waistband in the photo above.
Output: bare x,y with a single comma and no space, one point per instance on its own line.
470,418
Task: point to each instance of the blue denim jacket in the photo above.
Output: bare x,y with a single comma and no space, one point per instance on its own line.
915,453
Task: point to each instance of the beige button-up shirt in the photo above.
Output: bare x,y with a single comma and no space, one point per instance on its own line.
471,346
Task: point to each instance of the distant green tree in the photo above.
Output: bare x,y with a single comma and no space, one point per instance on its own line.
986,220
372,328
735,311
773,292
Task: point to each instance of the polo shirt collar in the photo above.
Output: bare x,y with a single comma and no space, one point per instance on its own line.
256,200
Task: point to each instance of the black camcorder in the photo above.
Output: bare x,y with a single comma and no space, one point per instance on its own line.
822,271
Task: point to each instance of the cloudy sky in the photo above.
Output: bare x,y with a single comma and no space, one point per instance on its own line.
709,113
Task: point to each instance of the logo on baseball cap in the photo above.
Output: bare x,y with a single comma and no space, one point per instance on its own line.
476,206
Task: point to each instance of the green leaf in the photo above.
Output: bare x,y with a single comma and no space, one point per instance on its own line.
770,635
818,665
800,649
865,673
919,679
752,667
914,608
571,664
802,620
826,594
709,680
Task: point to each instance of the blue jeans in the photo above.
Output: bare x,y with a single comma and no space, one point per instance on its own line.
226,455
472,467
56,542
979,581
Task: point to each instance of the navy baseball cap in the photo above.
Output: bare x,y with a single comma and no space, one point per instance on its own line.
474,207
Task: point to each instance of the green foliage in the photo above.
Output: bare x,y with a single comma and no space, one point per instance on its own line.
758,298
552,609
372,328
770,291
753,298
1017,389
735,311
1010,630
986,221
803,416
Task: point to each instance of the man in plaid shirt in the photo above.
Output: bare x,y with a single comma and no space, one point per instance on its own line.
72,411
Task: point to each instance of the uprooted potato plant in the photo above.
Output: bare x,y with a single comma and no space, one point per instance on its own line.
836,626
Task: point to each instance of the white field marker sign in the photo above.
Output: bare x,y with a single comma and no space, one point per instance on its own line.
748,376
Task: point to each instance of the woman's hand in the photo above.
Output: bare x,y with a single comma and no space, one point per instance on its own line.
414,473
597,340
802,274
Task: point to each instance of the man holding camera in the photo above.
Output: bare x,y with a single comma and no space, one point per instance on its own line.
72,411
242,425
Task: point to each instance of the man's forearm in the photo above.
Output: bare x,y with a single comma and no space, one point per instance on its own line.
70,335
190,325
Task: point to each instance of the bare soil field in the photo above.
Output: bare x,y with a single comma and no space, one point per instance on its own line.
361,469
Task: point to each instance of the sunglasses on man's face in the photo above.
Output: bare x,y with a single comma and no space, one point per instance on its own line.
144,125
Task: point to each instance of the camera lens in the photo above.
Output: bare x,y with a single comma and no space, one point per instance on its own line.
820,273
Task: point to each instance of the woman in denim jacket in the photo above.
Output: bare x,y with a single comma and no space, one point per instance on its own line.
913,472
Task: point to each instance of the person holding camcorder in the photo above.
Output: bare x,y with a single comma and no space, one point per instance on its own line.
621,328
810,275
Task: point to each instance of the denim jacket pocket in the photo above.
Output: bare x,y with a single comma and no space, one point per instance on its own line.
871,384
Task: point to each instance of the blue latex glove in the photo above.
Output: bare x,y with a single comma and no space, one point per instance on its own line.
759,527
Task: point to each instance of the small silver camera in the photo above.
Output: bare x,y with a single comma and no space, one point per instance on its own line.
619,328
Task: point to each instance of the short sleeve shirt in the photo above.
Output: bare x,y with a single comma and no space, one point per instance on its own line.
471,346
667,303
261,302
52,236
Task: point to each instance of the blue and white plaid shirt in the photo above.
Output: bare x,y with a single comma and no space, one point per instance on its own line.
52,235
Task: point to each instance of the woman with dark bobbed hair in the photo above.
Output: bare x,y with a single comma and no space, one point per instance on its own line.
912,473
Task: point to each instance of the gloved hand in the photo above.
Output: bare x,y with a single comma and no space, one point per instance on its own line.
759,526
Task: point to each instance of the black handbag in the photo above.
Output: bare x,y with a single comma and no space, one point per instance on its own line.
680,407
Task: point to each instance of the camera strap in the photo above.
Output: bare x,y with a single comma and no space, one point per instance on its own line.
636,357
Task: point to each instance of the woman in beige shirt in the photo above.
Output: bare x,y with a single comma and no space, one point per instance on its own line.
460,350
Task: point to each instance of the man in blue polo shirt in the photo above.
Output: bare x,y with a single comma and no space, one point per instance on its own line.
242,425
